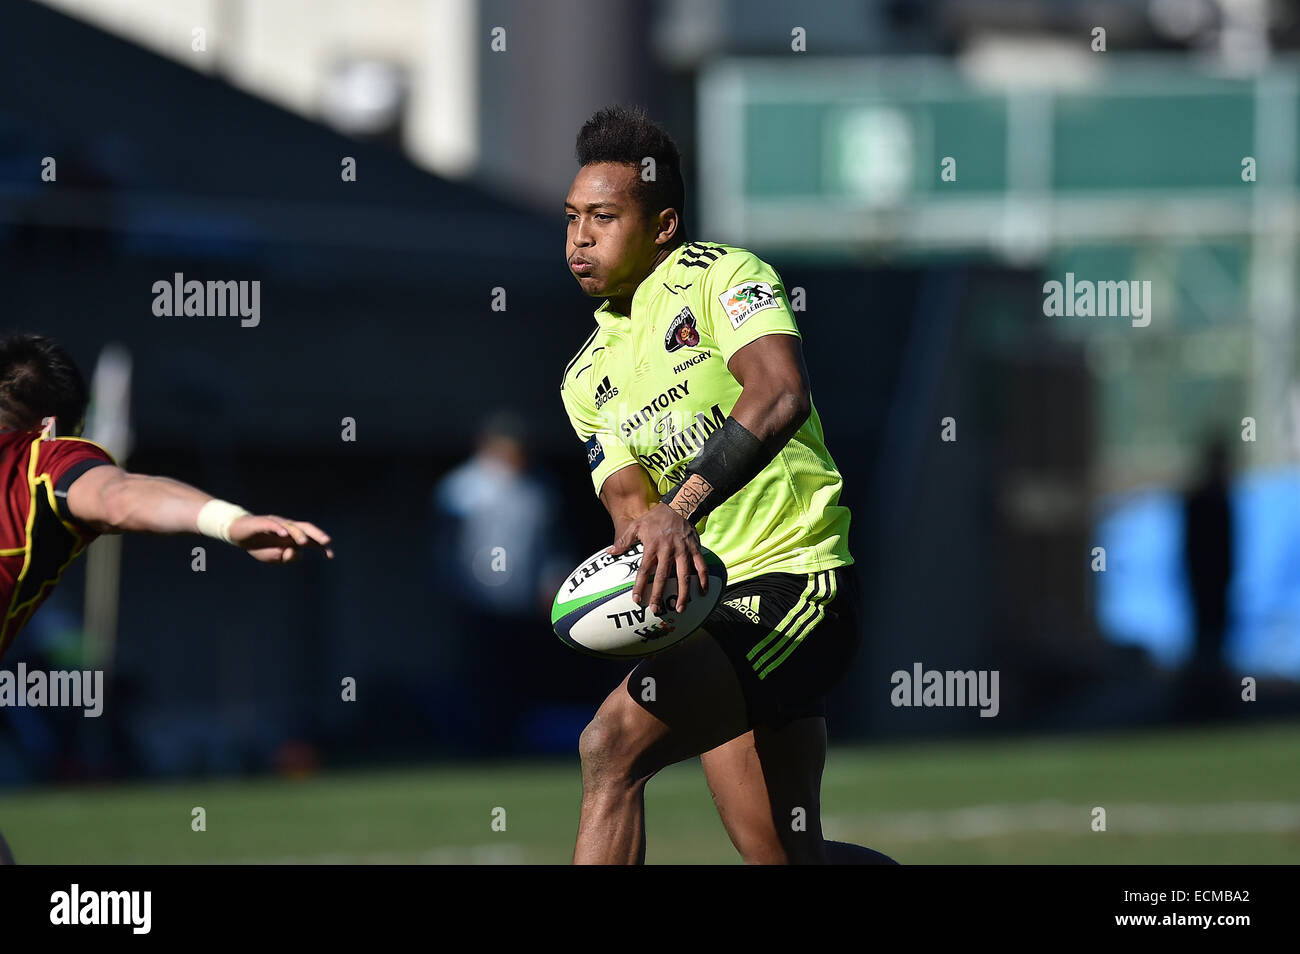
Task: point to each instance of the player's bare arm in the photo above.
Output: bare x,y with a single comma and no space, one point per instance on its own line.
628,494
775,401
113,501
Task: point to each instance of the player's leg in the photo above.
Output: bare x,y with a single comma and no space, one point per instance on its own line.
767,787
6,856
790,638
672,706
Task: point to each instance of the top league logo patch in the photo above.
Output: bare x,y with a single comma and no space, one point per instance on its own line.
741,301
682,332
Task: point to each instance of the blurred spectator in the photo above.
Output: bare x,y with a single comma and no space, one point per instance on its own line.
499,514
497,565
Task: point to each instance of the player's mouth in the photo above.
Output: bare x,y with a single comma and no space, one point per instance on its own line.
581,266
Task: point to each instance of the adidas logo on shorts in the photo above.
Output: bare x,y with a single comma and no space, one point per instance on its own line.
746,606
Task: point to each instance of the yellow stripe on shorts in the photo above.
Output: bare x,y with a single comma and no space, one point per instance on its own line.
793,622
792,643
779,630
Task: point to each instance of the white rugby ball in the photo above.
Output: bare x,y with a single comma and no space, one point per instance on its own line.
594,612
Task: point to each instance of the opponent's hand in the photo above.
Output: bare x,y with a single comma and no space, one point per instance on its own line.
272,539
670,544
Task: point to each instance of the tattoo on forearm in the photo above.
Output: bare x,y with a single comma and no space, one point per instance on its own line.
691,495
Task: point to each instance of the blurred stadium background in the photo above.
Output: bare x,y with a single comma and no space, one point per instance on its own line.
919,170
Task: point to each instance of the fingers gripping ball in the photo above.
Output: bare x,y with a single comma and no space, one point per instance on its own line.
595,614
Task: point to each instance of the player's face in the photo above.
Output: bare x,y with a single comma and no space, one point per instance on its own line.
610,245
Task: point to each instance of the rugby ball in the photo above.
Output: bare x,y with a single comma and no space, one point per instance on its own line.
594,612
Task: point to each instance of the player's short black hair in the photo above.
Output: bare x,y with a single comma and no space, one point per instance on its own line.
38,379
626,134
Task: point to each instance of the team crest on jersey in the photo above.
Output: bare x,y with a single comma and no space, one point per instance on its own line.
741,301
682,333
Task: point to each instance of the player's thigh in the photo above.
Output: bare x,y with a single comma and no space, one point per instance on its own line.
767,788
672,706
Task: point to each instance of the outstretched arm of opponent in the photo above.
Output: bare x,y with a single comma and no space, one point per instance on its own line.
774,403
111,500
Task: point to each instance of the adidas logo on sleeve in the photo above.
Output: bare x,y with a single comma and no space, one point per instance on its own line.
604,392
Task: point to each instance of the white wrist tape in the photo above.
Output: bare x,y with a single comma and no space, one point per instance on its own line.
216,518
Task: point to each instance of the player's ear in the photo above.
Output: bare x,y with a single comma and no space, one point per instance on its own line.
668,224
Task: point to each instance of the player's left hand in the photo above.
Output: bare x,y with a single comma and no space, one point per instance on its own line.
670,544
271,539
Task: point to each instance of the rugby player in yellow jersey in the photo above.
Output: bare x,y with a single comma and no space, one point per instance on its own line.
693,401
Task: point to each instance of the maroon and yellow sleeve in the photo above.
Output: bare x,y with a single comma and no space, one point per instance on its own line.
49,535
61,461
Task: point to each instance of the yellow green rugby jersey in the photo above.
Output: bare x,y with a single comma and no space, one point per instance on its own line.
649,389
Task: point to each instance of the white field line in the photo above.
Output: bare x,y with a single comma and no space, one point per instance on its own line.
980,821
989,821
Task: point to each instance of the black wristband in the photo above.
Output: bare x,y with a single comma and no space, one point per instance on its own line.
730,458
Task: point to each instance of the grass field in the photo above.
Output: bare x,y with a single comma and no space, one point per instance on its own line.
1227,795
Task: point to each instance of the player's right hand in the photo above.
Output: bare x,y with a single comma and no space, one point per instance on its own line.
670,547
272,539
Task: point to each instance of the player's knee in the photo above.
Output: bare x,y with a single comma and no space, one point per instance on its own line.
592,745
598,746
610,751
